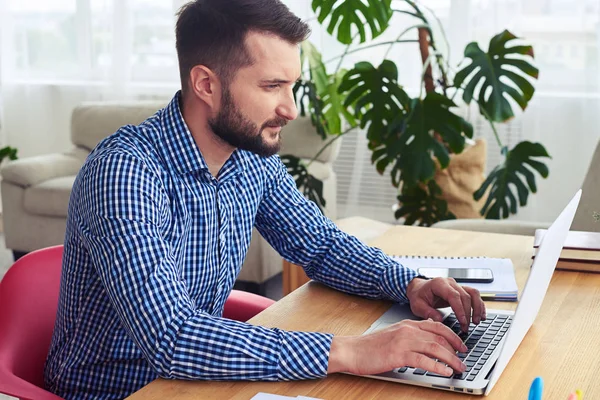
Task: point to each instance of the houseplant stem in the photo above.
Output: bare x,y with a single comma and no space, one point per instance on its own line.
368,47
487,116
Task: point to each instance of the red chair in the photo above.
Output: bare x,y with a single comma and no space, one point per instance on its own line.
28,303
241,306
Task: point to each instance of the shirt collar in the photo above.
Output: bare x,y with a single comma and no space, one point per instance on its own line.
181,149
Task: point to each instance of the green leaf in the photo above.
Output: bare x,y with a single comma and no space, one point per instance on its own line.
516,173
422,204
375,95
327,102
9,152
409,143
490,80
311,187
334,108
317,70
346,14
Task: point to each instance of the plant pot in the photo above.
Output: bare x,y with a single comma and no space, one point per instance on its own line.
464,175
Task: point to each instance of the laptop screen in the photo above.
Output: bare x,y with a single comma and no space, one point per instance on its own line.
536,286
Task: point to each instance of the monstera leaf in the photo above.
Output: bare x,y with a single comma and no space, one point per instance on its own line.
518,163
410,144
347,13
423,204
488,68
311,187
375,95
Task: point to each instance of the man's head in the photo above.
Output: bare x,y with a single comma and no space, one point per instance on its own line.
240,59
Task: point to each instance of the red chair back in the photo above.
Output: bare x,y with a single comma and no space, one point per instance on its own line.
241,306
28,303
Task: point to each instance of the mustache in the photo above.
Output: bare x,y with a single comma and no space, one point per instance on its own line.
275,123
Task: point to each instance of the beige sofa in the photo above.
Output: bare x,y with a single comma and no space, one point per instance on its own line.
36,190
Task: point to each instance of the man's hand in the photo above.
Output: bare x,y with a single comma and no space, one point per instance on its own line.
408,343
427,295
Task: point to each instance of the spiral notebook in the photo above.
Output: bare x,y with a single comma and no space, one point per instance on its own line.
503,288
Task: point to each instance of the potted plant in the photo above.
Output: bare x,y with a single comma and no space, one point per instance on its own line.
412,136
8,152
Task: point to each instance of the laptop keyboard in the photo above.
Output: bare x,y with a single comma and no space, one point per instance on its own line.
481,341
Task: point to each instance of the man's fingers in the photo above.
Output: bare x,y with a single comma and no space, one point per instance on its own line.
446,333
442,288
431,313
466,301
436,351
419,360
427,335
478,304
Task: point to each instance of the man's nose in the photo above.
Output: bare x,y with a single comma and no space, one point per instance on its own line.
287,108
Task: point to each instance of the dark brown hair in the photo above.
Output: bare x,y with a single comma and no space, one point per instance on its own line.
212,33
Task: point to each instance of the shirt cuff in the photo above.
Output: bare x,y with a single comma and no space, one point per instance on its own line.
395,280
304,355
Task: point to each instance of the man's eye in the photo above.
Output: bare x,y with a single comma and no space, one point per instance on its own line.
275,86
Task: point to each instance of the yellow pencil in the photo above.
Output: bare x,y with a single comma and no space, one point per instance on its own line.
579,394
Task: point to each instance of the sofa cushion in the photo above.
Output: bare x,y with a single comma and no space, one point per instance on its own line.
92,122
50,198
30,171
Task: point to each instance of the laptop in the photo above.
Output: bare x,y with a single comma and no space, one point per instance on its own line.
492,343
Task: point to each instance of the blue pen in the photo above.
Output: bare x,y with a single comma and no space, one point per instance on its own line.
536,389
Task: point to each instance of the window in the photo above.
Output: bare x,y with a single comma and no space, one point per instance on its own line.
80,40
43,38
153,45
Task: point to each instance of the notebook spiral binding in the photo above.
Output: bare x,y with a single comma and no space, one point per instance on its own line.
440,257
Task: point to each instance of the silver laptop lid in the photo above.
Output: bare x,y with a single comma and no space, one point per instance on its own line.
535,287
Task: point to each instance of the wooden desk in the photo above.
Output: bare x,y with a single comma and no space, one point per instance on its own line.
566,354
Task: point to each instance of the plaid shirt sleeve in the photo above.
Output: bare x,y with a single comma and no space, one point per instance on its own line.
304,236
124,205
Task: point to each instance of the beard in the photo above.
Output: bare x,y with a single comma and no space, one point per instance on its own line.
238,131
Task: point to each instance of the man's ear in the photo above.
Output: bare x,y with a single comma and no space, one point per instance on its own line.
205,85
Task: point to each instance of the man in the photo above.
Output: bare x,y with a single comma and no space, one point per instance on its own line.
160,220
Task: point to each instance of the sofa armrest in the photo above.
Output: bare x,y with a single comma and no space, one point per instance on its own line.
33,170
512,227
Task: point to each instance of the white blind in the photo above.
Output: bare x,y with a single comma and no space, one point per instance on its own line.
361,190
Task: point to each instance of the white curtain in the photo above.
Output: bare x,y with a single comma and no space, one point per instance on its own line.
55,54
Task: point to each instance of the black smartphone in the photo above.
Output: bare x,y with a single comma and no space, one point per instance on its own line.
466,275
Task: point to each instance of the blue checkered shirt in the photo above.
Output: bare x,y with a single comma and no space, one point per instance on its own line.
152,249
